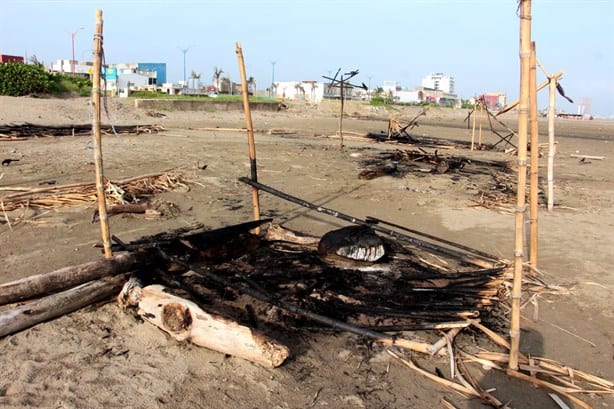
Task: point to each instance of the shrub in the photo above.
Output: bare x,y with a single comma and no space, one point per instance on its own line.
18,79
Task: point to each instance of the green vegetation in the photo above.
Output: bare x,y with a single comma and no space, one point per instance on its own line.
378,101
220,97
18,79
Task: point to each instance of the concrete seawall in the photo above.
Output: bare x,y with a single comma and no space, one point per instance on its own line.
195,105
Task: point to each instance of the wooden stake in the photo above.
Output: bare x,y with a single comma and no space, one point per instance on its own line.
250,134
102,205
525,55
534,169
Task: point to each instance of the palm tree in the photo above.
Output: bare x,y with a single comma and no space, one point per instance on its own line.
217,74
195,76
225,85
313,92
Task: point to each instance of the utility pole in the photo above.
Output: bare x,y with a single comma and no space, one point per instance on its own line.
184,51
72,62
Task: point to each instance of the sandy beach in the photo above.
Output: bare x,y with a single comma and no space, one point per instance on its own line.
102,357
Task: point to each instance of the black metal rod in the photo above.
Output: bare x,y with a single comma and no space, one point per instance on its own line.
428,236
355,220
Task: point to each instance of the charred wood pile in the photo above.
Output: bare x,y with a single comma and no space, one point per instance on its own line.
493,180
27,130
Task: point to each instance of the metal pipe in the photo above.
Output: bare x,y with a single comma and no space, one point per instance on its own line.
487,263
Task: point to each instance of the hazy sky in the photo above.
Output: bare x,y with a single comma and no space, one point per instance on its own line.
475,41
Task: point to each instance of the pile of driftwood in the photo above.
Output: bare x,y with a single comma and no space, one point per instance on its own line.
28,130
124,195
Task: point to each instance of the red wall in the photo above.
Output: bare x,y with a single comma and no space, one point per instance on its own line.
10,58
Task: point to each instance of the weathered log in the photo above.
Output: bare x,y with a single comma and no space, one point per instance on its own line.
53,306
275,232
67,277
184,320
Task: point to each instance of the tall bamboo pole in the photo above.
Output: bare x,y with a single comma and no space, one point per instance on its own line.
551,146
102,205
341,116
250,132
475,106
534,169
481,119
525,55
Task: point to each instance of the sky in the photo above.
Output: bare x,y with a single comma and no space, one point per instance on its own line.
474,41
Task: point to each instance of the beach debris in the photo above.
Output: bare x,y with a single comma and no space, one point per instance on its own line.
27,130
397,128
121,192
8,161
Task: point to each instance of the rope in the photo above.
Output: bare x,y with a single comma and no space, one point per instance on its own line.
105,97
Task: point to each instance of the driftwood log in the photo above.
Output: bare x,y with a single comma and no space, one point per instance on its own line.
185,320
56,305
46,283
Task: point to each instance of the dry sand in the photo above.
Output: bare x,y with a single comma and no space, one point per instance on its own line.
101,357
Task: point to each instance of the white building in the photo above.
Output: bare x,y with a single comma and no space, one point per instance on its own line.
66,67
440,82
409,96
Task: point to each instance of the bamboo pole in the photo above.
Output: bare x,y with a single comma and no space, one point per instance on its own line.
551,146
250,134
473,129
102,206
552,82
525,55
341,116
534,169
481,114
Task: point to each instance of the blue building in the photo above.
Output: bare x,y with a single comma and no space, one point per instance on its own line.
154,67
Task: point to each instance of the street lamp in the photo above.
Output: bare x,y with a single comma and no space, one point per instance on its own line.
273,79
72,62
184,51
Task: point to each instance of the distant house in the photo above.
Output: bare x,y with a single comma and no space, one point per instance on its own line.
11,58
155,70
494,99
